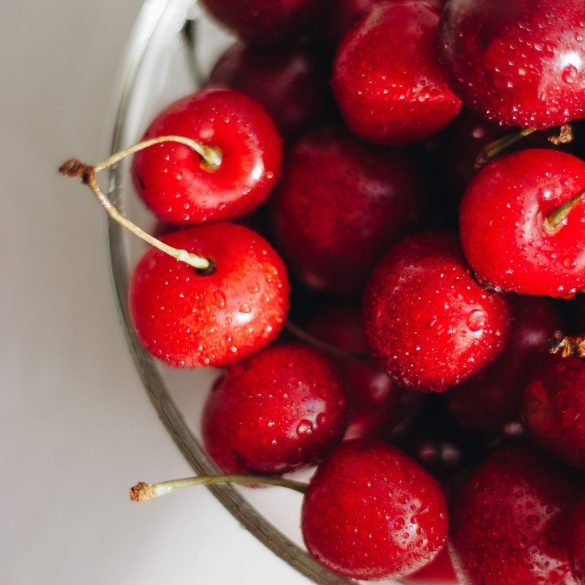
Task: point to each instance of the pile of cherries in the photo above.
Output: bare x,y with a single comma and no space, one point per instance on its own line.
430,214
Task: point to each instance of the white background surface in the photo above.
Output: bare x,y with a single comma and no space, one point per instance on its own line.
76,427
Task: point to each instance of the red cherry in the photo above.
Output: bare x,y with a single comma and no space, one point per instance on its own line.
519,62
188,319
371,512
489,403
172,179
508,523
554,407
261,22
505,233
340,204
426,320
577,543
386,76
440,571
279,410
291,83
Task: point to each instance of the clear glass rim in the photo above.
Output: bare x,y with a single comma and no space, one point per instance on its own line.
155,387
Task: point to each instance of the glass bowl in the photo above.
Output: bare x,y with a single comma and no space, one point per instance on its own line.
171,49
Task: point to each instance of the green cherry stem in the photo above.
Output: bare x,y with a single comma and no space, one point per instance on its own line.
555,219
142,491
496,147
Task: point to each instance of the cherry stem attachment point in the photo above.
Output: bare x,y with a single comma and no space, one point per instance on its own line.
567,346
556,218
142,491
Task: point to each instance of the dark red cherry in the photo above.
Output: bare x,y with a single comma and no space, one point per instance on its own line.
426,320
554,407
291,83
371,512
340,204
386,76
506,228
517,62
175,183
489,403
266,23
508,522
189,319
577,543
279,410
440,571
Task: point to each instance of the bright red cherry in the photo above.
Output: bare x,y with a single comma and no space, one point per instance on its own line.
517,62
386,76
279,410
340,204
291,83
554,407
426,320
508,523
440,571
489,403
174,181
577,543
371,512
511,231
261,22
189,319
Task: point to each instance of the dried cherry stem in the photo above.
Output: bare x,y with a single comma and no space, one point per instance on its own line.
564,135
556,218
142,491
210,161
309,339
567,346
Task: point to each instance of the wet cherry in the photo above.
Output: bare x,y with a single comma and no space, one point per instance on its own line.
279,410
180,188
394,100
515,232
440,571
518,63
340,204
371,512
577,543
189,319
426,320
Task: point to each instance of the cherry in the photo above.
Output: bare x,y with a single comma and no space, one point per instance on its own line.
279,410
518,62
291,83
522,221
264,23
426,320
181,188
371,512
489,403
440,571
190,318
508,522
577,543
340,204
554,407
394,100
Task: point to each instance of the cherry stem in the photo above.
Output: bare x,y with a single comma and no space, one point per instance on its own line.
211,160
567,346
496,147
563,136
142,491
555,219
323,345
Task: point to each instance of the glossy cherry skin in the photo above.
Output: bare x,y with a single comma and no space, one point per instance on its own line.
489,403
279,410
440,571
519,63
187,319
503,229
577,543
508,522
371,512
291,83
170,177
427,322
554,407
386,75
266,23
340,204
